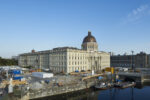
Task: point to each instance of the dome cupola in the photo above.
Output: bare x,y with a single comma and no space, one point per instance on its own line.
89,43
89,38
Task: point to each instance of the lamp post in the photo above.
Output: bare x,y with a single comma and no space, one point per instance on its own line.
100,65
132,59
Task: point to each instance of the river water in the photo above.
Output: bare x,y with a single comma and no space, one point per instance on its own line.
137,93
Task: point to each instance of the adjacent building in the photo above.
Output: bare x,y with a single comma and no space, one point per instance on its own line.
68,59
122,61
141,60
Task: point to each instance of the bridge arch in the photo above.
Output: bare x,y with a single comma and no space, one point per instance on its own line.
129,79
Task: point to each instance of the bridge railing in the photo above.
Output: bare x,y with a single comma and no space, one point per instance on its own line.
133,73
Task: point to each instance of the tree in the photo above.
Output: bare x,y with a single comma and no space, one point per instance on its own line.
8,62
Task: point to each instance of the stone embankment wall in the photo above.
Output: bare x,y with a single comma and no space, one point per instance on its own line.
51,91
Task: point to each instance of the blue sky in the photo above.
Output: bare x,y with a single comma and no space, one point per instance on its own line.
118,25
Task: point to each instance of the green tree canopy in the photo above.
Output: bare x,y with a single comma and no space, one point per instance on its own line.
8,62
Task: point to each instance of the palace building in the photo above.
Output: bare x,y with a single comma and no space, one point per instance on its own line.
68,59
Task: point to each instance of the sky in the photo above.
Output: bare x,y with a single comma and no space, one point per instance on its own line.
119,26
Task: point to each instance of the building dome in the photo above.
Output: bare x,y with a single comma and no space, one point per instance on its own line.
89,38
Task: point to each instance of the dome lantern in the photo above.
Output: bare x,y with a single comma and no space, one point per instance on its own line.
89,33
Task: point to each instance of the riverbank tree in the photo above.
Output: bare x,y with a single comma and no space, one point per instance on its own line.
8,62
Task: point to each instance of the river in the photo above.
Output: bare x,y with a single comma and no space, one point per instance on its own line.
141,92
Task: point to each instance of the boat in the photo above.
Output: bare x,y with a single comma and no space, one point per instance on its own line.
124,85
110,85
117,85
101,86
1,91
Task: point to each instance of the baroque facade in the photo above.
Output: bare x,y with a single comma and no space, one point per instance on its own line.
68,59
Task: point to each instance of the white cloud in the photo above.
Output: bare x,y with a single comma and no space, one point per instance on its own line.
138,13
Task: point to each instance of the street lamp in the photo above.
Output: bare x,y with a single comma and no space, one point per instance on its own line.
100,65
132,59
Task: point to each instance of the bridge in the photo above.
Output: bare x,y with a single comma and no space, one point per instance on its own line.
134,76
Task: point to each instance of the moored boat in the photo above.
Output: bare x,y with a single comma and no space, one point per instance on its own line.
124,85
128,85
1,91
101,86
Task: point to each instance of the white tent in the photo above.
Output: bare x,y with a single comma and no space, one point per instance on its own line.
42,74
